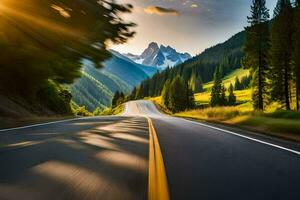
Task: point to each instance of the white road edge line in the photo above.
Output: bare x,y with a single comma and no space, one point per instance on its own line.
246,137
47,123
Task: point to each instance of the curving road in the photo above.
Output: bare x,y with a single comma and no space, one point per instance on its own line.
108,158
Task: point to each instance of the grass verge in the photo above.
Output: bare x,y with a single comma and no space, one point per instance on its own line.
283,124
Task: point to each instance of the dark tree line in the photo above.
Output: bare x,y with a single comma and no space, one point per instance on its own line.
218,92
296,53
118,99
243,83
272,55
256,48
177,95
43,43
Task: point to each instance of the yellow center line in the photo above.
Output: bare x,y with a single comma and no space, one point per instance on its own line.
157,182
158,188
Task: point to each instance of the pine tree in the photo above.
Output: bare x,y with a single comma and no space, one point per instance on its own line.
256,48
165,95
115,99
178,97
133,94
279,7
140,91
216,90
198,84
223,100
192,82
121,99
190,98
296,53
238,85
281,45
245,82
231,96
195,82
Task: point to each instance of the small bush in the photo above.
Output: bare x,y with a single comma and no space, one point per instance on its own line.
113,111
82,111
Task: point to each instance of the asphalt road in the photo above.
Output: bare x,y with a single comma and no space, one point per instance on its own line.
107,158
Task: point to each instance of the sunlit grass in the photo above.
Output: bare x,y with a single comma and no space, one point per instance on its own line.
217,113
284,124
242,96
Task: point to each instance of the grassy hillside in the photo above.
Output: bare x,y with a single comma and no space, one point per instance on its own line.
230,78
243,96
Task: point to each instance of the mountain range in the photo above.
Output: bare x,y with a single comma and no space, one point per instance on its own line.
160,57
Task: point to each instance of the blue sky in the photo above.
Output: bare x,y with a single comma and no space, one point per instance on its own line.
187,25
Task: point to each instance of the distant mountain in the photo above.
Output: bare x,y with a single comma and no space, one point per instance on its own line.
96,87
159,57
227,55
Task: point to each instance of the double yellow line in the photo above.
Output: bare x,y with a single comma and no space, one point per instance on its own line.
157,183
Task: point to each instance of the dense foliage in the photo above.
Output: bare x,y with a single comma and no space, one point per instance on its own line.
296,53
118,99
43,43
243,83
218,92
218,96
281,50
231,101
177,96
256,49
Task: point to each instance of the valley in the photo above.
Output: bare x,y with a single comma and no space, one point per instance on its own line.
96,87
149,100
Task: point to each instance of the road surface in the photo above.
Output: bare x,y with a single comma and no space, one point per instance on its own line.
108,158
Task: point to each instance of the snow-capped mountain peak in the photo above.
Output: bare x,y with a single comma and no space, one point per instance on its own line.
159,56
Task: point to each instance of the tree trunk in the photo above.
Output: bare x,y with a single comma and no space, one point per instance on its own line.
260,84
297,94
286,90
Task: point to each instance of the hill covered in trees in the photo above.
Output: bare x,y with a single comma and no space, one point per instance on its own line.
96,87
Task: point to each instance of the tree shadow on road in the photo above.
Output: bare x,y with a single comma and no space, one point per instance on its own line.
85,159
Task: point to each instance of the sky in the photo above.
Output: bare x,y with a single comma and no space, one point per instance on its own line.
186,25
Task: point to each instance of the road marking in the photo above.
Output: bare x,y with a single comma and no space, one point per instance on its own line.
246,137
157,182
47,123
